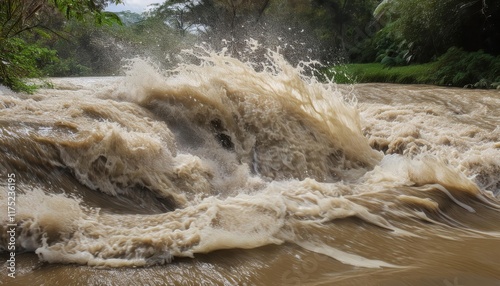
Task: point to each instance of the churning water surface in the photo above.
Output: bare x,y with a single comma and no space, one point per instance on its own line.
224,173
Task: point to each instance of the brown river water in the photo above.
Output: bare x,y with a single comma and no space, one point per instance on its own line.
220,174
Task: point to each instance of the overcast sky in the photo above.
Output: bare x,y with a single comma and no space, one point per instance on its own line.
137,6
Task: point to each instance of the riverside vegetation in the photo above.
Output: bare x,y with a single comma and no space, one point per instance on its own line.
450,42
455,68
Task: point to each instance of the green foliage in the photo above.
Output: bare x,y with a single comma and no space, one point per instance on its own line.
19,59
377,72
316,29
73,9
431,27
99,50
408,32
66,67
455,68
87,50
341,74
27,23
459,68
391,49
344,25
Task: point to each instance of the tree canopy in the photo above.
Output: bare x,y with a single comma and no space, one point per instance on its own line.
22,20
430,28
392,32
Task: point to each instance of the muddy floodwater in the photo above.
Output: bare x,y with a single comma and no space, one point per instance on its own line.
221,173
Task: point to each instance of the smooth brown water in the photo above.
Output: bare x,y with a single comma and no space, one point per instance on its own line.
217,174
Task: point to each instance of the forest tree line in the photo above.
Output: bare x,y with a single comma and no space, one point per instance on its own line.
79,38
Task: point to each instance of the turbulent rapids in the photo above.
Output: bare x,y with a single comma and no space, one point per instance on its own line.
256,174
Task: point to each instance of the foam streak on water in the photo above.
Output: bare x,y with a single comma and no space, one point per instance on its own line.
157,167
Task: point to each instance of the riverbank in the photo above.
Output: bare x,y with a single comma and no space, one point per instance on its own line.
411,74
376,72
455,68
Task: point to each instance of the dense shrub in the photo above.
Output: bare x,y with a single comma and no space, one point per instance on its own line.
19,60
66,67
454,68
459,68
385,47
377,72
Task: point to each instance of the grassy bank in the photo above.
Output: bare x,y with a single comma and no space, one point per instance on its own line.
376,72
455,68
